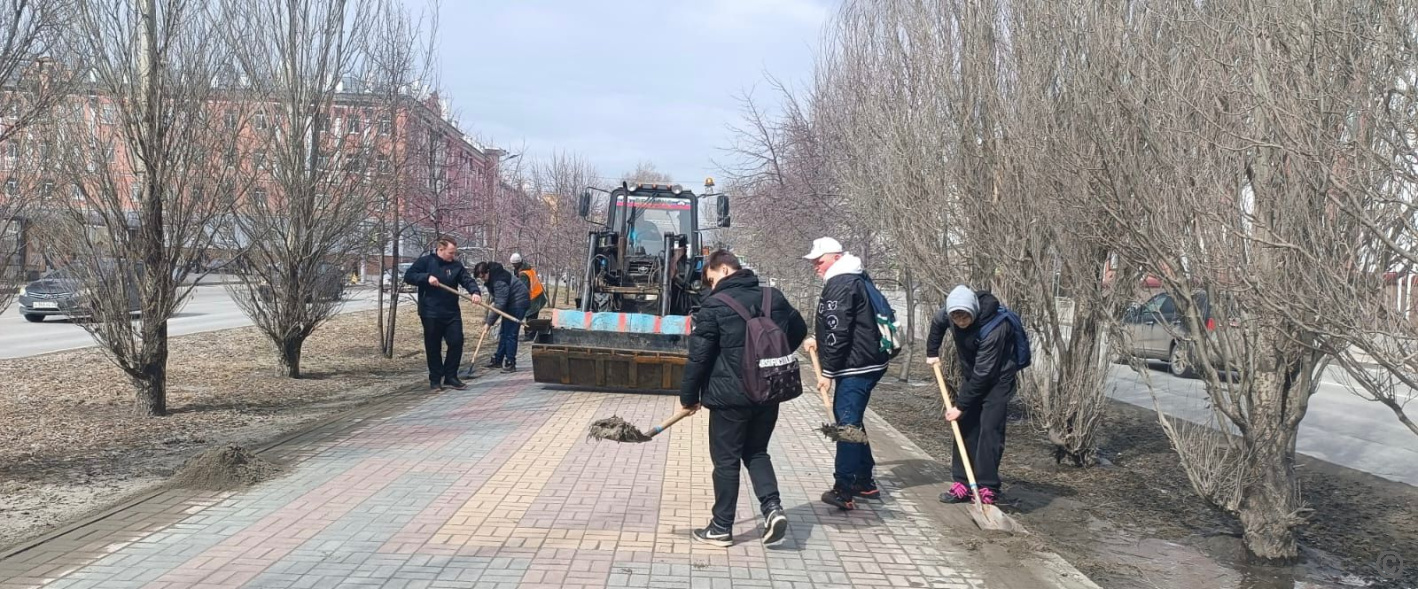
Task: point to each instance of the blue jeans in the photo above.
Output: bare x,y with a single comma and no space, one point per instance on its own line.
849,404
507,338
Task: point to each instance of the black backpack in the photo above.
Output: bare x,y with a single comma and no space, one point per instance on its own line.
770,372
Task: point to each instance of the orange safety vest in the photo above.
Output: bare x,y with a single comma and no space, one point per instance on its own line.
534,285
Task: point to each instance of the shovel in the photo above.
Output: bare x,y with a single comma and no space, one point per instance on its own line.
988,517
617,429
479,303
473,363
836,433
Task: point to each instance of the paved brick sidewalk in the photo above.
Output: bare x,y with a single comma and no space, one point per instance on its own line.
498,486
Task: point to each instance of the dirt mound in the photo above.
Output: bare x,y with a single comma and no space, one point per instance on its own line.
222,469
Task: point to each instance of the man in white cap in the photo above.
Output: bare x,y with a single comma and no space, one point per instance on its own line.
850,351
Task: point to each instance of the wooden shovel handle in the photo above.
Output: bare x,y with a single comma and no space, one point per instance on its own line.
683,413
479,348
480,303
959,439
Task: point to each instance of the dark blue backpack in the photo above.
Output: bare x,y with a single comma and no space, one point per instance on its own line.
1022,356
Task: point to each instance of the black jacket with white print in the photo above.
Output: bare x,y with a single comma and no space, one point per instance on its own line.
848,341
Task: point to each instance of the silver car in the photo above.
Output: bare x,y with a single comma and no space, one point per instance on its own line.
1155,331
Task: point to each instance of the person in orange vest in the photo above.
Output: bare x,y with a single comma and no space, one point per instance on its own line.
535,289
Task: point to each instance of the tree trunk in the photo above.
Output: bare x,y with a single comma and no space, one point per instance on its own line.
1075,401
910,328
379,316
290,355
1270,499
152,391
151,380
395,280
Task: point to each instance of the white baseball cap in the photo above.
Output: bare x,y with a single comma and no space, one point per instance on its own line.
823,246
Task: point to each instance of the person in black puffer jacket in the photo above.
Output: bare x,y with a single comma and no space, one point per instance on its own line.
739,429
510,296
981,405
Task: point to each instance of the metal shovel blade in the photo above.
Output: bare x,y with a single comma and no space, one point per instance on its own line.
989,517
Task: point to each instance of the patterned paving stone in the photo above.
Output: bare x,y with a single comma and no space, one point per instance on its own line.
498,486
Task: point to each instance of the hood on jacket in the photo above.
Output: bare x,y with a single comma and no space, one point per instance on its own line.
741,279
962,299
847,264
989,306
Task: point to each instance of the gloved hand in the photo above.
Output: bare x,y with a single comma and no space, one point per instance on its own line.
491,318
932,361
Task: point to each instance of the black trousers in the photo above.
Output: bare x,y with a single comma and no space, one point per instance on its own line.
436,332
982,427
740,436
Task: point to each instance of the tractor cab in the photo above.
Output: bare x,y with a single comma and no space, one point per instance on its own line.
641,286
647,257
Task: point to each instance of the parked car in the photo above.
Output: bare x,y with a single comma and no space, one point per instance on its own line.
59,292
1155,331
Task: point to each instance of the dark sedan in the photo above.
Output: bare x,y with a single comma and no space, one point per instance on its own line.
58,293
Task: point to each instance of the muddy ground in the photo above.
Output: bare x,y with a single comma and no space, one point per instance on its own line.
1136,523
71,443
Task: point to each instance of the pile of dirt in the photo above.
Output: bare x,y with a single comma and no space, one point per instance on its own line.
224,468
1134,521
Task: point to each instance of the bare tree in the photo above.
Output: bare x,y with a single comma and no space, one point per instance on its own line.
1253,157
32,80
135,171
1225,134
401,53
560,179
305,63
645,171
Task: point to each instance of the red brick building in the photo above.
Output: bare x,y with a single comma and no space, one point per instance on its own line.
439,180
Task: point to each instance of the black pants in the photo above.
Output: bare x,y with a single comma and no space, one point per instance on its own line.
740,436
982,427
437,331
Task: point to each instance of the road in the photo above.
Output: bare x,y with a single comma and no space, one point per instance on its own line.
1340,427
209,309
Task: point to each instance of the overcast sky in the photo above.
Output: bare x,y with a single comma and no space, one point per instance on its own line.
620,81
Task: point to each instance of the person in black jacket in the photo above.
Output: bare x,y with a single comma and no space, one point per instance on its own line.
852,357
739,429
981,405
510,296
439,312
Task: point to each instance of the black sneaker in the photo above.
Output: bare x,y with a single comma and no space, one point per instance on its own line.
836,498
454,383
510,368
775,527
709,535
868,491
493,364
